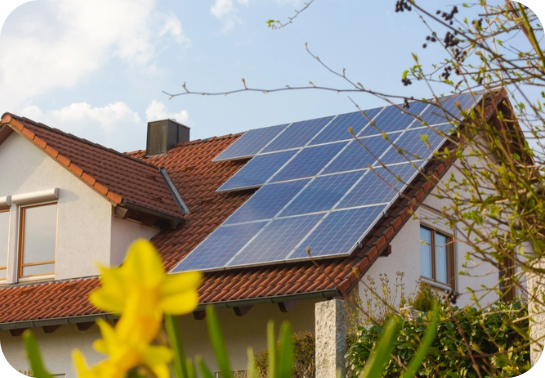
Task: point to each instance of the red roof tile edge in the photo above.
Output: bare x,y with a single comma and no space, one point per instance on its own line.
17,124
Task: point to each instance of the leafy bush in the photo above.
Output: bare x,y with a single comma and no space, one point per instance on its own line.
424,298
497,336
303,357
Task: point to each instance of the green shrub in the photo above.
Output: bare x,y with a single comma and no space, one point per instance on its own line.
424,298
497,337
303,357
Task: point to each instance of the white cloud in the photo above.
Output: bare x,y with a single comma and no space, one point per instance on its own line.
115,125
61,42
157,111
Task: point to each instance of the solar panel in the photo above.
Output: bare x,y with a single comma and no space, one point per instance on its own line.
267,202
309,162
355,156
318,193
394,119
250,143
322,194
435,115
276,240
298,134
338,128
415,144
219,247
376,187
339,232
257,171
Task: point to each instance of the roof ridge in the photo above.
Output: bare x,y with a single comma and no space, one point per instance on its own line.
209,140
83,140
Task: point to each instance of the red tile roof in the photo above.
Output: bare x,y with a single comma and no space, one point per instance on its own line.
118,177
191,168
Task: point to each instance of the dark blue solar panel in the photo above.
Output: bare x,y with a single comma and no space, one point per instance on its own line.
250,143
338,128
257,171
309,162
411,146
376,187
298,134
355,156
322,194
394,119
267,202
339,232
435,115
277,240
219,247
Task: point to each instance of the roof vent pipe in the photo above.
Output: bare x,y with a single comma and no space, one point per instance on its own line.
163,135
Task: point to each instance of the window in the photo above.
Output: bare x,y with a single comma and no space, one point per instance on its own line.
4,231
37,240
436,257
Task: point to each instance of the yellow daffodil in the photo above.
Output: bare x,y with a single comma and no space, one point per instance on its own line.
142,285
124,355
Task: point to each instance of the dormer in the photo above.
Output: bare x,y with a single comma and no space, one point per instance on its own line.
67,204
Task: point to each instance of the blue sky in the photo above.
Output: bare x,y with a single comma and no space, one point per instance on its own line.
98,68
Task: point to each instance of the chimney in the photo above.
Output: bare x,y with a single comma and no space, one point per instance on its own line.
163,135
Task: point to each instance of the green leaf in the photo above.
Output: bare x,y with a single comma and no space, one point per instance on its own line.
205,372
271,349
175,337
382,353
285,364
405,74
252,370
218,343
34,356
422,351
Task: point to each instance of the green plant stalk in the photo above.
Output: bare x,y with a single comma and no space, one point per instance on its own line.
175,338
382,353
285,364
422,351
218,343
34,356
271,349
205,372
252,371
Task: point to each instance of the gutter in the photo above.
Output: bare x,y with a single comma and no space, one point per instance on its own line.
324,294
179,200
173,220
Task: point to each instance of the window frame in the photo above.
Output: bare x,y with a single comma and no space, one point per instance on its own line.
451,272
3,280
21,246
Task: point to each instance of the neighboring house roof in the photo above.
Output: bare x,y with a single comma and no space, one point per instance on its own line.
192,170
121,179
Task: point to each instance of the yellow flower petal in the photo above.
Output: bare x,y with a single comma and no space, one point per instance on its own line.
161,371
104,300
144,264
180,304
156,355
177,283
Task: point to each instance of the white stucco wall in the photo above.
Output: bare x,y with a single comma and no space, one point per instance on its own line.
85,229
124,232
240,333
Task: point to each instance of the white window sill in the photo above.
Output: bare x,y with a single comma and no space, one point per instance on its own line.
437,285
38,278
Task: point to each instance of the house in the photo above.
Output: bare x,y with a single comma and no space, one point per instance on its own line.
67,203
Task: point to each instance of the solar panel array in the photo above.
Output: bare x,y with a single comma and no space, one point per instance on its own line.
319,187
